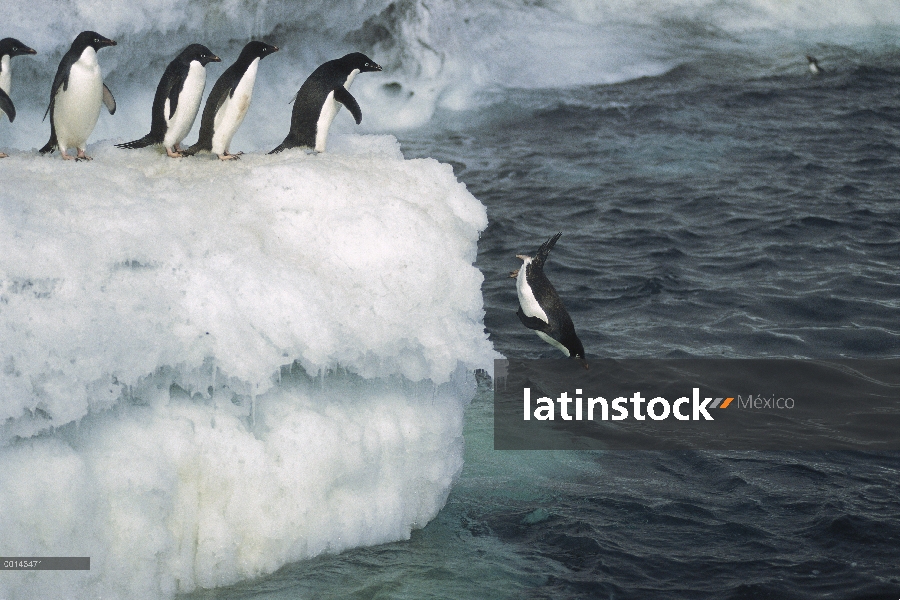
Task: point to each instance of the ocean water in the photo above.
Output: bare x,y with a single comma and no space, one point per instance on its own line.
259,380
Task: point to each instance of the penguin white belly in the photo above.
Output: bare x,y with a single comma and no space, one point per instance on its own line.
532,308
527,301
5,77
77,108
329,111
326,116
5,74
231,113
180,124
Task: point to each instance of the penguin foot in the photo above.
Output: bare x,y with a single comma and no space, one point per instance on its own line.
230,156
176,154
65,156
4,155
514,274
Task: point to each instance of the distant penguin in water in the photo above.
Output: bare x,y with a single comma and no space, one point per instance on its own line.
540,307
228,102
319,98
177,100
9,47
76,95
814,67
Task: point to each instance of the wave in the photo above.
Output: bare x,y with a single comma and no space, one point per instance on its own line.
437,54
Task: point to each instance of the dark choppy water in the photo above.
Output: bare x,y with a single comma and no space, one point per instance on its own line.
705,213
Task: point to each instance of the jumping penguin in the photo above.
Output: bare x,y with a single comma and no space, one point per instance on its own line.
814,67
540,307
177,100
317,101
76,95
9,47
228,102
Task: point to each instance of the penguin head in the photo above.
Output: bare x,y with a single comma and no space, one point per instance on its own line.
258,50
91,39
13,47
200,53
575,348
358,60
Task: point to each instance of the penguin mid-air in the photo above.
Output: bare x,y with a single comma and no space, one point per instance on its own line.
228,102
77,93
540,307
814,67
9,47
177,100
317,102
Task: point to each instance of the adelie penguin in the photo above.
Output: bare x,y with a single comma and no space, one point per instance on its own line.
814,67
177,100
9,48
319,99
228,102
540,307
76,95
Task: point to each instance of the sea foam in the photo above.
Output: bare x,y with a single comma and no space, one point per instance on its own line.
211,369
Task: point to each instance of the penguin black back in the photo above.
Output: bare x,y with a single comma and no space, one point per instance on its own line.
549,318
224,88
329,77
169,88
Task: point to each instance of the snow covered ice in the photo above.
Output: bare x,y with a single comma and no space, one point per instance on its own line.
153,416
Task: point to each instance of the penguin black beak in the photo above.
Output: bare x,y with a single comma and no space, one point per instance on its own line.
275,48
215,59
30,51
585,364
110,43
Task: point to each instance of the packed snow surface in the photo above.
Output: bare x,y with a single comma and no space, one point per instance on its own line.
209,369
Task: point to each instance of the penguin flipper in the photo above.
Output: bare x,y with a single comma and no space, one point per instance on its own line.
344,97
534,323
172,83
108,100
6,105
61,79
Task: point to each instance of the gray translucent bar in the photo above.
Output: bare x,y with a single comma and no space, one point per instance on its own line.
45,563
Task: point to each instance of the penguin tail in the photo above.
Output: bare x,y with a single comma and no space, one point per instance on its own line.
289,142
544,251
49,146
193,149
145,141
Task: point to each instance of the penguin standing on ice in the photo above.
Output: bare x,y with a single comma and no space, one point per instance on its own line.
9,47
814,67
76,95
540,307
228,102
177,100
319,98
